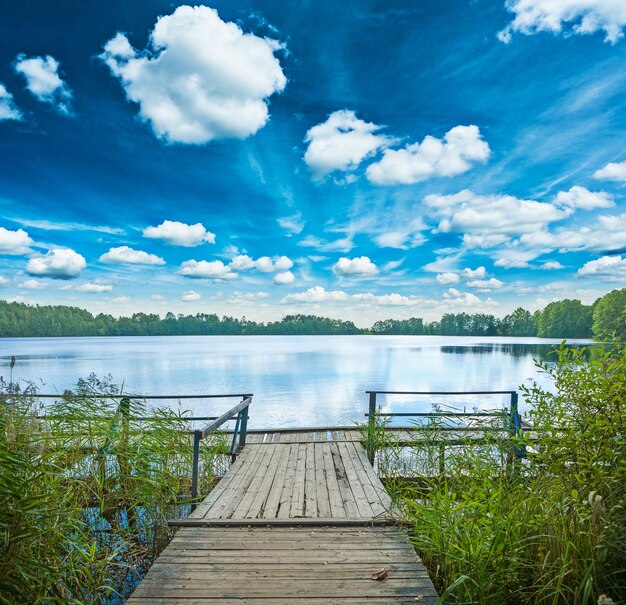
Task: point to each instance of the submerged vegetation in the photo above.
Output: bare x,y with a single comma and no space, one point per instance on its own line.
85,492
606,318
548,528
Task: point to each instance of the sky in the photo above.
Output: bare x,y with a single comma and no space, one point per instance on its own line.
360,160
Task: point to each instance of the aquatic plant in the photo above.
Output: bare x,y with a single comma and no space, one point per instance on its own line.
86,487
550,528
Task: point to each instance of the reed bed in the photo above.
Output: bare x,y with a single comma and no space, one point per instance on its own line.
547,528
86,489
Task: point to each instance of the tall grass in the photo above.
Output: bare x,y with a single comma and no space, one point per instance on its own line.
86,490
547,529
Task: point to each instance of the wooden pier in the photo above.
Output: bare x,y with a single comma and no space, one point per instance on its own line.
300,517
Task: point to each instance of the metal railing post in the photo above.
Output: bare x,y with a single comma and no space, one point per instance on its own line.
515,425
371,428
243,429
197,436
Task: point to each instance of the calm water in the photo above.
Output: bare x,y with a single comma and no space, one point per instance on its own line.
296,380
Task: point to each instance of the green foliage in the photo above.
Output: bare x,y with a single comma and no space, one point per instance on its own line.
565,318
551,528
609,316
85,493
519,323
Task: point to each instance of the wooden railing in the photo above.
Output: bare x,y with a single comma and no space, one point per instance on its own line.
512,416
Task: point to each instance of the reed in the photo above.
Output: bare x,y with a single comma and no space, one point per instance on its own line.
546,529
85,492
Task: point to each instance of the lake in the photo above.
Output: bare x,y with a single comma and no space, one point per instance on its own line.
296,380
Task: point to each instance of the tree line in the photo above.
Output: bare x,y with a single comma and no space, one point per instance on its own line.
605,318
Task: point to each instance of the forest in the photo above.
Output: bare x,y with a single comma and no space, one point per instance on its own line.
605,318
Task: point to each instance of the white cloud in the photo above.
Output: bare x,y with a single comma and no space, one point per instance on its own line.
447,279
180,234
478,273
316,294
238,298
33,284
123,255
360,266
389,300
606,266
94,287
608,232
8,109
514,258
581,198
489,220
466,300
459,149
43,81
342,142
121,300
293,224
206,270
552,265
158,297
286,277
14,242
59,263
283,263
485,285
190,296
612,172
263,264
578,16
200,79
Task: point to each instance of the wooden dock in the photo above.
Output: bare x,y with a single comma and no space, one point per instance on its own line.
300,517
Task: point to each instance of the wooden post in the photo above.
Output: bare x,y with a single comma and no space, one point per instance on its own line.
371,428
197,436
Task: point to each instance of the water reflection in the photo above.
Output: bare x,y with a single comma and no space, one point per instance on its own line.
296,381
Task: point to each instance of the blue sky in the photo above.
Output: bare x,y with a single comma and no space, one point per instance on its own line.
360,160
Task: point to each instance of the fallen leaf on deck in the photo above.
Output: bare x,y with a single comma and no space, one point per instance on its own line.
381,574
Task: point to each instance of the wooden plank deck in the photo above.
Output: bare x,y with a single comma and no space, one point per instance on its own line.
291,522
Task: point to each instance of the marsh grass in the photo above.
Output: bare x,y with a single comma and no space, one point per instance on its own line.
547,529
86,490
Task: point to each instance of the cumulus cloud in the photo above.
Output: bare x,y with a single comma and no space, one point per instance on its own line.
285,277
316,294
360,266
454,298
44,82
447,279
460,148
206,270
180,234
557,16
190,296
14,242
551,265
485,285
608,232
59,263
606,266
489,220
263,264
94,287
239,298
612,172
200,79
123,255
341,143
8,109
33,284
581,198
478,273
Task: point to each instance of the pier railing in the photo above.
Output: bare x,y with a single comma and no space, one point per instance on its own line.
238,412
513,420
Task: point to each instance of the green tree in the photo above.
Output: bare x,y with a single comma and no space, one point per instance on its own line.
519,323
565,319
609,315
